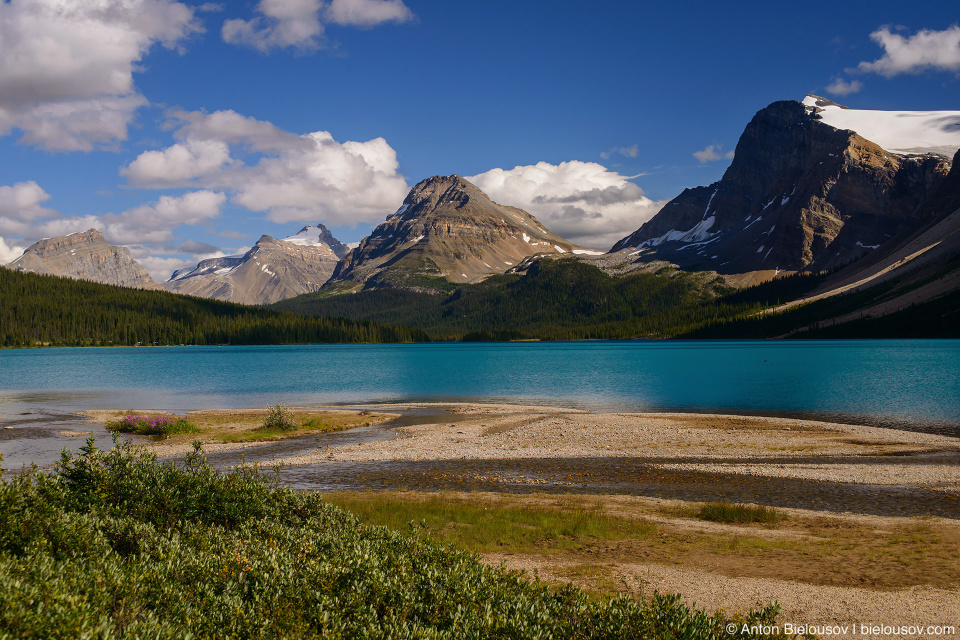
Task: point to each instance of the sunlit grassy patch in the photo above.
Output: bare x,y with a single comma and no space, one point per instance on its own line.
252,425
739,513
487,526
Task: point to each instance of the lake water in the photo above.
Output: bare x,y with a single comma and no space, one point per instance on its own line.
912,383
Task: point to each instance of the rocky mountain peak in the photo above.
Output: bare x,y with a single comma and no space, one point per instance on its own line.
817,101
448,228
318,235
800,193
85,256
270,271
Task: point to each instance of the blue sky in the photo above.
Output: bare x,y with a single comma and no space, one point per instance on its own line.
187,129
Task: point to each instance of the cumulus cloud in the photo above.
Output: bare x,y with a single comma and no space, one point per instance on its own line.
197,248
66,66
154,223
9,253
302,178
178,163
22,202
712,153
299,24
630,152
160,266
840,87
367,13
282,23
582,201
927,49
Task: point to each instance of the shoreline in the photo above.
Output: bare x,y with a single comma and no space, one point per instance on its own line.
755,446
839,484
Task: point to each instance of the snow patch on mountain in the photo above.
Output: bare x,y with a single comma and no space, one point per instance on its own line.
309,236
903,132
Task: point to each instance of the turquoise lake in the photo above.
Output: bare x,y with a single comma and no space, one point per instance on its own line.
908,384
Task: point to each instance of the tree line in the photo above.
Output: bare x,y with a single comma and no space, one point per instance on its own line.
43,310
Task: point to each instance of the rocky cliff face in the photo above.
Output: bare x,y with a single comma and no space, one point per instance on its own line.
799,194
447,228
85,256
272,270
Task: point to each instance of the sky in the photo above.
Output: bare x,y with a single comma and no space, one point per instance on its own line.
187,129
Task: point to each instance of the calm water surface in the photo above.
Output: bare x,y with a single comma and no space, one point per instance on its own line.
906,384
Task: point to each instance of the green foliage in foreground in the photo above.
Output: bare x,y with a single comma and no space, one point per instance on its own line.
116,545
45,310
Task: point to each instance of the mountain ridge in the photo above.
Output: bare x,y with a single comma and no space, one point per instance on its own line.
84,255
446,231
799,194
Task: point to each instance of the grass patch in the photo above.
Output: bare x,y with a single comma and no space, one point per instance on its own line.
739,513
249,425
487,526
159,426
605,531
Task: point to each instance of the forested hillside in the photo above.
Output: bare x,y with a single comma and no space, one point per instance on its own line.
561,299
40,310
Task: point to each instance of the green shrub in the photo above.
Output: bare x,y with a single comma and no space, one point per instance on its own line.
162,426
739,513
115,544
280,419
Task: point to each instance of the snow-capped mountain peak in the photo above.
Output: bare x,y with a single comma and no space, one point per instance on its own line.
309,236
902,132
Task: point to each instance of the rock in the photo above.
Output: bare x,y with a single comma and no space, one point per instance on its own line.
271,271
85,256
446,228
799,194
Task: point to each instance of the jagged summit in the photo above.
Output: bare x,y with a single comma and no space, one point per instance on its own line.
314,236
800,193
85,256
818,101
270,271
449,228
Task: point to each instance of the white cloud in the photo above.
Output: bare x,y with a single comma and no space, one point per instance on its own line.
299,24
712,153
9,253
367,13
926,49
64,226
840,87
160,267
154,223
630,152
22,202
66,66
182,161
582,201
301,178
284,23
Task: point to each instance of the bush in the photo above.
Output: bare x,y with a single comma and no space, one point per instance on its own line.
116,544
279,419
161,426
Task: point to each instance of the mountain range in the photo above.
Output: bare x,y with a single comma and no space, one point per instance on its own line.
872,197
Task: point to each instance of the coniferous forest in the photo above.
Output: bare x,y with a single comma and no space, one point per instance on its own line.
561,299
40,310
